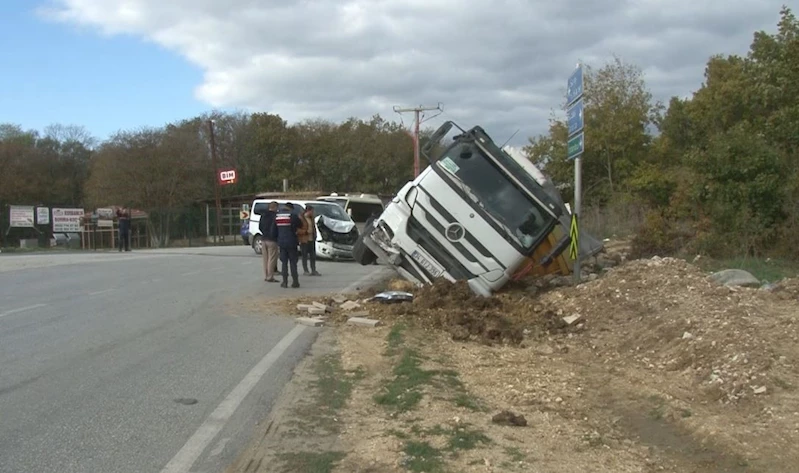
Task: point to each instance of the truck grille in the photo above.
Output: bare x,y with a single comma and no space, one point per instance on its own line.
423,238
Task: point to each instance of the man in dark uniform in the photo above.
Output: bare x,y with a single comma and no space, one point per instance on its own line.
284,231
123,216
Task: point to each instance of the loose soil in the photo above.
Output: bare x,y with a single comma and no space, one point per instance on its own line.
657,369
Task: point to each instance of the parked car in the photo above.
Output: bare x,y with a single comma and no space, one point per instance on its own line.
336,233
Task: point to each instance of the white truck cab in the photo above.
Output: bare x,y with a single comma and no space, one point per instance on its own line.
475,214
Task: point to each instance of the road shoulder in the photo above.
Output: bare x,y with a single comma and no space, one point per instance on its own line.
303,428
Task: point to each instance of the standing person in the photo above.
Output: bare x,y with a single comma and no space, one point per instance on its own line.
268,242
308,242
123,218
285,232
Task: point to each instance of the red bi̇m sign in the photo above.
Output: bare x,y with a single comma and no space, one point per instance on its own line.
227,176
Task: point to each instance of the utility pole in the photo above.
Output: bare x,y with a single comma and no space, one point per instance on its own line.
215,165
417,110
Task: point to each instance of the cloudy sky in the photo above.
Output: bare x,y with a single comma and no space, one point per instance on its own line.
503,64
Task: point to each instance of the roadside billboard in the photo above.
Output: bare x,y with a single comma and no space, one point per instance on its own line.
21,216
67,220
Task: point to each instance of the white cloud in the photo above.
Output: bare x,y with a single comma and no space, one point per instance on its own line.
501,64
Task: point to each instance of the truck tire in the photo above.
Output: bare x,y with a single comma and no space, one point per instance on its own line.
360,252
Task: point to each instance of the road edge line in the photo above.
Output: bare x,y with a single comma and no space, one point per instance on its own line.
216,421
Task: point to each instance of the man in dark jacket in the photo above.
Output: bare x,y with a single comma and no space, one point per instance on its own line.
268,242
285,232
123,215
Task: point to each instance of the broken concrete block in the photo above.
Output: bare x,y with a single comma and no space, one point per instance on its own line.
735,277
339,299
310,322
571,319
316,311
304,307
325,307
760,390
363,321
360,313
349,305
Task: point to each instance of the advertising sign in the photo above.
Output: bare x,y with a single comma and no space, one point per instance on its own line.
67,220
227,176
21,216
42,216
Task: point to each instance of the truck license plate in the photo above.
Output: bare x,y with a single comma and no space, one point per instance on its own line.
427,265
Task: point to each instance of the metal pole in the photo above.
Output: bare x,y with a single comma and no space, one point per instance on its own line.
578,202
416,145
417,111
215,164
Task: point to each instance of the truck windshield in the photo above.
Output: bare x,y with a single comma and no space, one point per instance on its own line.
496,194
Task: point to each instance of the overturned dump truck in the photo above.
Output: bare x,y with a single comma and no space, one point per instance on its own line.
476,214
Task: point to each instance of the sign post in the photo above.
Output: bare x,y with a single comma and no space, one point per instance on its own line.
574,150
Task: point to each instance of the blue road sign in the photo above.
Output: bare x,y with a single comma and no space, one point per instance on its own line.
575,117
574,89
575,146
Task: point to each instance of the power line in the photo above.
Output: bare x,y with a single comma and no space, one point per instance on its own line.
417,111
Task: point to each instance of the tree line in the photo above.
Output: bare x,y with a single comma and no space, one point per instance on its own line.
715,173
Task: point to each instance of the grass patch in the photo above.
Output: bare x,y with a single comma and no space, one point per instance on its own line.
310,462
331,391
467,401
464,438
764,269
395,338
403,392
422,457
515,454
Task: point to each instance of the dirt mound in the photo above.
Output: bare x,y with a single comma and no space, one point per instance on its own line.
663,313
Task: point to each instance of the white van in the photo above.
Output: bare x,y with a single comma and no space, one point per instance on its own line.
358,206
335,230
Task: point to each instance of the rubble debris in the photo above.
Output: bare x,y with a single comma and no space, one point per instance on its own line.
350,305
735,277
339,299
316,311
363,321
571,319
509,418
324,307
760,390
390,297
304,307
311,322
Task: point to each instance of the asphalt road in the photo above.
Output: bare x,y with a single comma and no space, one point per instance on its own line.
102,357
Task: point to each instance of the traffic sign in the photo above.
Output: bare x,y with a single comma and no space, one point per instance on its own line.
574,235
575,117
576,146
227,176
574,90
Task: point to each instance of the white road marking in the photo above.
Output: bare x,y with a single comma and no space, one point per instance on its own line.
21,309
209,429
97,293
219,447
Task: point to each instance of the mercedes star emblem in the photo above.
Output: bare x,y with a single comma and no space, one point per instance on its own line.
455,232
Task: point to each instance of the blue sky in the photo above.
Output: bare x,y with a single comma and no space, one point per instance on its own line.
57,73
